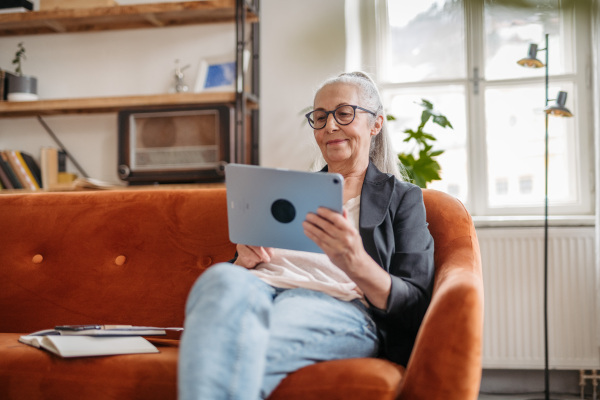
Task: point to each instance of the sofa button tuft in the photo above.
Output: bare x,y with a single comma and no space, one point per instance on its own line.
120,260
205,262
37,259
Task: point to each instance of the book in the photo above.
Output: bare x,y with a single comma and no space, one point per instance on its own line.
110,330
6,166
91,183
33,166
6,182
3,83
19,169
49,166
30,177
89,346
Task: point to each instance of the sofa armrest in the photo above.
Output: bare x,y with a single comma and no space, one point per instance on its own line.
446,359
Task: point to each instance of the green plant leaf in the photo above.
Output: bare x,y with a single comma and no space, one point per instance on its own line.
425,115
442,121
426,104
421,165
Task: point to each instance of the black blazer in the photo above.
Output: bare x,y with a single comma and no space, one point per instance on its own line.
394,232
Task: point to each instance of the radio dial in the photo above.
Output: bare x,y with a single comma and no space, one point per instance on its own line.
124,171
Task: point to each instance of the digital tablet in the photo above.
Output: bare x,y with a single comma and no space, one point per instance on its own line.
266,206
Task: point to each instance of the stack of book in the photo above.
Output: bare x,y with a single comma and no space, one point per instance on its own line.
19,170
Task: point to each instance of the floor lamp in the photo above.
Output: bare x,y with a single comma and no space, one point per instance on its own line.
557,109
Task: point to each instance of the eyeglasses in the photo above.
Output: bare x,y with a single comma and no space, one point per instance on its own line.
344,115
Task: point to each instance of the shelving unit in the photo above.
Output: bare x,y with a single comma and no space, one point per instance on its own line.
242,13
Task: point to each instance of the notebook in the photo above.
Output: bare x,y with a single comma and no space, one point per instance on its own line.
266,206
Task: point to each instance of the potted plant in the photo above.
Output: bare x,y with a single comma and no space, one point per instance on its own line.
421,163
21,87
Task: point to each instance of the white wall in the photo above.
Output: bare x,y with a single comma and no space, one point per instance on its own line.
299,49
303,43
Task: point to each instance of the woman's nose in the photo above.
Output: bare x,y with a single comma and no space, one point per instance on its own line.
331,124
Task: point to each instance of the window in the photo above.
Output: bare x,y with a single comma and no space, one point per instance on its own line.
461,55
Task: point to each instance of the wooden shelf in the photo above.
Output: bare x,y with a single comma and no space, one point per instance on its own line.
120,17
111,104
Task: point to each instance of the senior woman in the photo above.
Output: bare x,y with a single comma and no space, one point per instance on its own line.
273,311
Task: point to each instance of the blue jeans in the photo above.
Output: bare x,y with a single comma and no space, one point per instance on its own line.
243,336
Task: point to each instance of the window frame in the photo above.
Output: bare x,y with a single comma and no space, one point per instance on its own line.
581,77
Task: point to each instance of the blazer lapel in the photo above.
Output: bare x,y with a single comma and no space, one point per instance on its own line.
375,197
375,201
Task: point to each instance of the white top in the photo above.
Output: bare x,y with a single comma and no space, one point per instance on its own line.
299,269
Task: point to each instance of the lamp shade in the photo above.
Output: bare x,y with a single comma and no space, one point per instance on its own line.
531,60
558,108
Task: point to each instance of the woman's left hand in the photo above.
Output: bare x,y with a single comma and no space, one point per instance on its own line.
335,235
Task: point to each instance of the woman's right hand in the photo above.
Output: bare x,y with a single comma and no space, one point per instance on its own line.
250,256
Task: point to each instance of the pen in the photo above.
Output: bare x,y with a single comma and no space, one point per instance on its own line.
88,327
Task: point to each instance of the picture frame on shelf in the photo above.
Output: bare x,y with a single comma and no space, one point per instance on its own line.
218,73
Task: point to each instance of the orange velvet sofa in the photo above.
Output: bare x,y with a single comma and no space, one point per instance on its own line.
131,257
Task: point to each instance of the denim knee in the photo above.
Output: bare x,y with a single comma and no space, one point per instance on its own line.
223,279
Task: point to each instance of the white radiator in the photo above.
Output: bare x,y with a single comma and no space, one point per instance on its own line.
513,265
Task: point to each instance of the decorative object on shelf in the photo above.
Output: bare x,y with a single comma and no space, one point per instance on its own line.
219,73
421,163
180,85
174,145
558,109
21,87
216,74
72,4
10,6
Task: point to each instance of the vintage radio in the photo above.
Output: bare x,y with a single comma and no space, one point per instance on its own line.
177,145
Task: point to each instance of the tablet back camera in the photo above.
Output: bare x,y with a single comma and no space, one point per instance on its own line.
283,211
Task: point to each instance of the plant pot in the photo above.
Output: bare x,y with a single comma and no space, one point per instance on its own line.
21,88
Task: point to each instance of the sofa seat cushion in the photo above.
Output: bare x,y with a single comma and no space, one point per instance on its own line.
356,378
30,373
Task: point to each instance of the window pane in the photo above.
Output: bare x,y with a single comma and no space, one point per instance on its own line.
424,35
509,30
515,143
449,101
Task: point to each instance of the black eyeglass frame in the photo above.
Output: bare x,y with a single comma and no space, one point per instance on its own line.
332,112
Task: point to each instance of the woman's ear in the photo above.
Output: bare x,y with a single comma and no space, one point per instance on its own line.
377,125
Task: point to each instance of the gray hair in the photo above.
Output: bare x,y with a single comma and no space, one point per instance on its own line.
381,152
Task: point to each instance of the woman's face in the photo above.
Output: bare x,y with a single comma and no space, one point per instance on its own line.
344,145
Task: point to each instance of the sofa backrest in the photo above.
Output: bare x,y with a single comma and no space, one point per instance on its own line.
113,257
454,235
131,257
